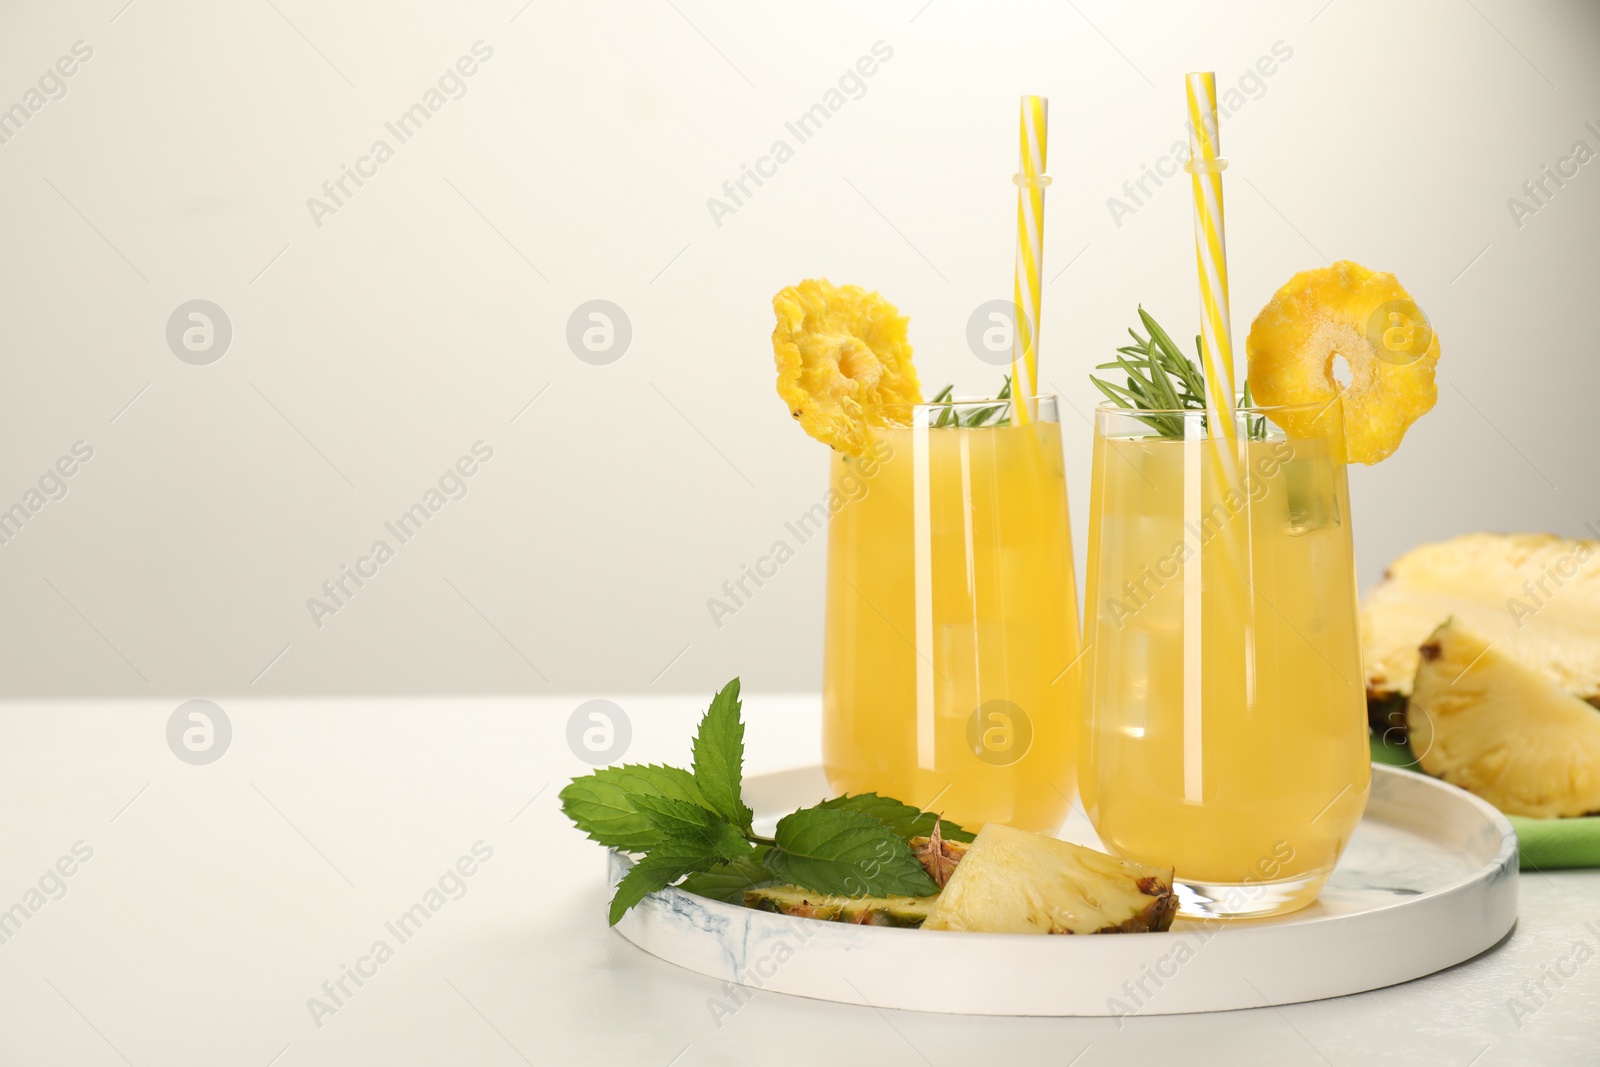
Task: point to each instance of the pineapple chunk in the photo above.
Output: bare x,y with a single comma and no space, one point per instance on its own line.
864,911
1485,722
1013,881
1533,596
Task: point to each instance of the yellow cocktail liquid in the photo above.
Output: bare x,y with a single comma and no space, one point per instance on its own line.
1225,730
951,678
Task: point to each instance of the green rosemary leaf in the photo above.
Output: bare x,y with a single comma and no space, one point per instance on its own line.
1159,378
941,397
1256,427
1172,357
1115,393
984,416
1126,399
1162,391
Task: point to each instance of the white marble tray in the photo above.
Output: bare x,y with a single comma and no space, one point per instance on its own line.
1428,880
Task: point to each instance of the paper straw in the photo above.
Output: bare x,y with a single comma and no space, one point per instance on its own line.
1211,253
1030,181
1211,257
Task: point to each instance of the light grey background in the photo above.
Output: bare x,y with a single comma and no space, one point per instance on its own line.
430,311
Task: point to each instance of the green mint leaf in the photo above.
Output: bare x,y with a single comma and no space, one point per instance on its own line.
665,864
904,820
728,881
719,757
679,821
603,804
831,850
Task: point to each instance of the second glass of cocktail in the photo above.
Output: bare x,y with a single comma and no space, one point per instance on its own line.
950,674
1225,728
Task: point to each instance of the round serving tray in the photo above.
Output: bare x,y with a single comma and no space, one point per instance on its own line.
1428,880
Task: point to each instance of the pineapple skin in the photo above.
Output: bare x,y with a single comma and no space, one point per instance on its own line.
908,912
904,912
1156,917
1482,721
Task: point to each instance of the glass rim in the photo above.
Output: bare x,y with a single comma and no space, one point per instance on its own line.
1106,407
977,402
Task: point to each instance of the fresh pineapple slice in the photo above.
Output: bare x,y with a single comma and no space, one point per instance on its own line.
864,911
1482,721
1535,597
1366,317
1013,881
844,363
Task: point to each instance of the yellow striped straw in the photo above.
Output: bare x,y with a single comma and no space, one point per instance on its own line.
1030,181
1211,253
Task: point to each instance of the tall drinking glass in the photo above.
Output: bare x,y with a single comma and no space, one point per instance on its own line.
1225,731
950,673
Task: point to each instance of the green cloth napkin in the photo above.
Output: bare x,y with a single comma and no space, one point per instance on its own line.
1544,844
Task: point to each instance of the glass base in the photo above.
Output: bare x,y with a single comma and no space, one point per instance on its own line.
1245,900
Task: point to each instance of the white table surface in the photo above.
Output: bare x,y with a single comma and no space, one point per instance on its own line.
219,898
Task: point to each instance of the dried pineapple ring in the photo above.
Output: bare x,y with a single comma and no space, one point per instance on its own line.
1366,317
842,358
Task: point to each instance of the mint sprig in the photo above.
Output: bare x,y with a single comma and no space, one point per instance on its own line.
832,850
904,820
719,757
663,865
695,826
728,881
605,804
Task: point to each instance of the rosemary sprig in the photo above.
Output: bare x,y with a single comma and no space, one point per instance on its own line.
987,416
984,416
1161,380
1256,427
948,414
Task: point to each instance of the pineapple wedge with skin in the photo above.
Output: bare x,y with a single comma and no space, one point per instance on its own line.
863,911
1013,881
1536,596
938,856
1481,720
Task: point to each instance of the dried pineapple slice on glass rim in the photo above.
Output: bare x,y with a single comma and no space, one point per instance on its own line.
843,358
1369,319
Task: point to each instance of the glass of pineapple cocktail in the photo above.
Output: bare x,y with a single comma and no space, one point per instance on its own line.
950,674
1225,728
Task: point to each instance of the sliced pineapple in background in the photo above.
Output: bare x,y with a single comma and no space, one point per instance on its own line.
1535,597
1366,317
864,911
1013,881
1485,722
